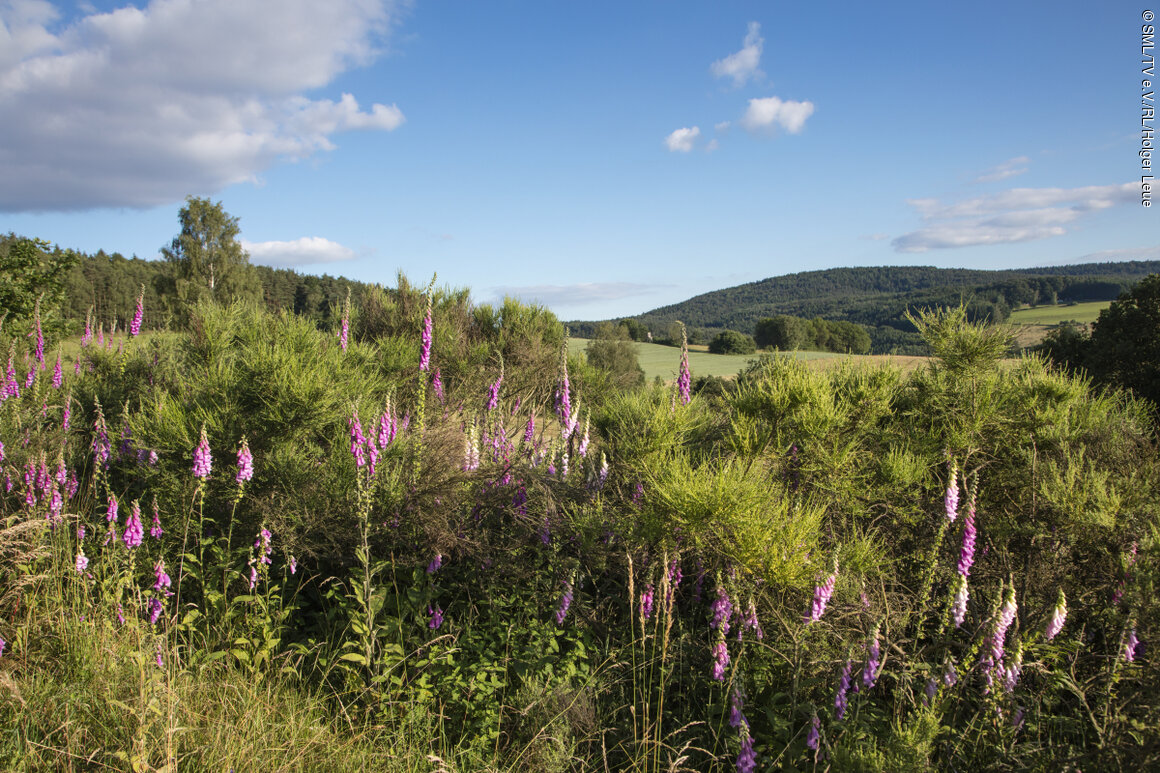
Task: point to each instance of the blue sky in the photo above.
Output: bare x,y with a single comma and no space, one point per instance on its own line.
601,158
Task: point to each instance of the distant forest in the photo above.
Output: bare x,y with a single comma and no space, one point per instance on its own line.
878,298
108,285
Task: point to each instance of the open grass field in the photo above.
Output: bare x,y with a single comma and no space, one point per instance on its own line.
1053,315
663,361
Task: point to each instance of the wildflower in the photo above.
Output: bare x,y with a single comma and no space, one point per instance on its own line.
1002,623
437,385
120,614
746,758
929,693
950,675
722,610
82,562
436,562
263,547
357,440
1058,617
253,576
471,448
134,531
959,609
156,608
674,578
245,463
425,349
436,616
563,398
388,426
1012,671
293,565
583,449
57,373
3,644
565,603
873,662
100,444
138,314
39,333
751,622
530,430
720,658
493,391
161,581
822,594
1130,645
88,335
684,376
951,500
646,602
967,554
815,733
840,698
344,330
111,510
736,717
202,460
160,660
155,530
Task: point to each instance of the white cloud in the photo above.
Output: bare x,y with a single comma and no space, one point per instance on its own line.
764,114
577,294
682,140
299,252
742,65
1016,215
1010,168
722,127
713,145
140,106
1127,253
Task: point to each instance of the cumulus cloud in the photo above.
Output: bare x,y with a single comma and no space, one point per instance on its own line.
1010,168
140,106
1016,215
682,140
767,113
299,252
742,65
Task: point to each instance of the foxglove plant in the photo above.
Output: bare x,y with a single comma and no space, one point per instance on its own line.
202,458
841,701
815,733
436,617
873,661
437,385
563,396
57,373
747,757
245,464
722,609
959,606
138,314
565,603
822,594
493,390
1003,622
646,602
357,440
720,657
1131,643
134,531
970,533
344,328
428,331
1058,618
155,530
684,376
951,499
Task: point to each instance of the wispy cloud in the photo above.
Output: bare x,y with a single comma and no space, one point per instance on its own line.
1010,168
299,252
682,140
1127,253
577,294
767,113
1016,215
742,65
140,106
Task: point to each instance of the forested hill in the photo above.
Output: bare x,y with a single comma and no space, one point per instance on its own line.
879,297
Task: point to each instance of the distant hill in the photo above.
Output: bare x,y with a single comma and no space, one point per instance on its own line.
879,297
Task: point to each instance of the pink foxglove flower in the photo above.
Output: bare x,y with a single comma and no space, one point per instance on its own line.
202,459
428,331
722,610
155,530
684,376
565,603
344,329
822,594
967,554
736,717
1058,618
646,602
138,315
161,581
1131,643
815,733
82,562
841,701
245,463
720,658
747,757
57,373
951,500
436,564
873,662
436,616
563,396
1002,623
134,530
111,510
959,608
437,385
357,441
